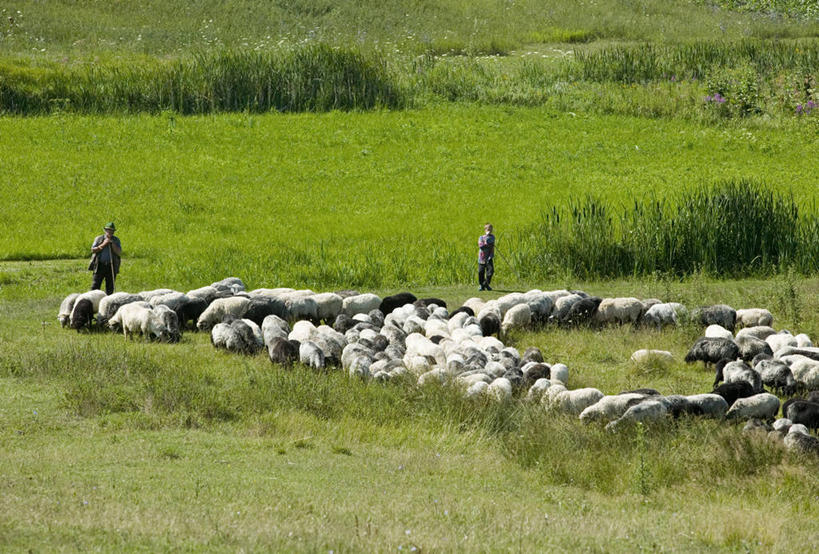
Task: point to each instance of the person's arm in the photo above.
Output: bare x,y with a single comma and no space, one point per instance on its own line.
96,247
116,248
481,241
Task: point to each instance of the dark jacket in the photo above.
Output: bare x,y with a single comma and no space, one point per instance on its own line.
92,266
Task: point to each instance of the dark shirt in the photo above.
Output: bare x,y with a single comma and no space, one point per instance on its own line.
104,257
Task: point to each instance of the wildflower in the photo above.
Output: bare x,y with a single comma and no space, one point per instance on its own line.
799,109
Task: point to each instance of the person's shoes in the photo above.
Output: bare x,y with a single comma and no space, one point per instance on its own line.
481,288
488,287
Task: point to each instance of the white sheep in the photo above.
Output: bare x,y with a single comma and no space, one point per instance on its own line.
760,332
208,293
754,317
575,401
780,340
509,301
476,389
66,306
138,318
110,304
500,389
563,304
328,305
559,373
475,304
518,316
610,407
715,331
274,326
619,310
300,305
233,284
711,405
762,406
360,304
803,341
540,304
311,355
800,440
648,410
661,315
646,356
302,331
219,308
536,391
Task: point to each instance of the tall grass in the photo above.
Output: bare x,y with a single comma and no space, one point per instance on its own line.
738,227
313,77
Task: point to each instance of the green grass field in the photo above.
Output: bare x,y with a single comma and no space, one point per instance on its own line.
488,111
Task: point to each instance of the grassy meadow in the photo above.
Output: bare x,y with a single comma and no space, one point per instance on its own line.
329,145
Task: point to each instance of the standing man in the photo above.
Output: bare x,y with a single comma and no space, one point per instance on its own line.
486,257
106,251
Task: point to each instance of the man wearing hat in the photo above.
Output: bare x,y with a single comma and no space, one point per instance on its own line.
106,251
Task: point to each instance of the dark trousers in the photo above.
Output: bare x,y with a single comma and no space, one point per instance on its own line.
103,272
485,272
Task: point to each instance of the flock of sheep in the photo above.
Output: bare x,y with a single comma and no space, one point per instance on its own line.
419,339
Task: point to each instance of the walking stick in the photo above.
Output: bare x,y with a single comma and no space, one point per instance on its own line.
111,258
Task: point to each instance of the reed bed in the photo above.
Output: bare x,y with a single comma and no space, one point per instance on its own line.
312,77
738,227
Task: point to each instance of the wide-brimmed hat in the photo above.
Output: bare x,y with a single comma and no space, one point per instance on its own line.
110,225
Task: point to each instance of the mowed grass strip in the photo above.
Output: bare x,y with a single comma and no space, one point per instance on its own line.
347,199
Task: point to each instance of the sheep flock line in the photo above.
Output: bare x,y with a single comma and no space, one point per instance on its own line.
420,341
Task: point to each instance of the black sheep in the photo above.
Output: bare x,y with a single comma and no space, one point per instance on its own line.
490,324
466,309
806,413
248,344
719,314
711,350
344,323
532,354
582,312
432,300
389,303
813,396
282,351
262,306
189,312
731,392
537,371
82,315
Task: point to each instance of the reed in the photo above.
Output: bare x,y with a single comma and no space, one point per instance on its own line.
734,228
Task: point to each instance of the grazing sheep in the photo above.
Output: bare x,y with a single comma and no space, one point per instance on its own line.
804,351
799,440
582,312
463,309
559,373
490,324
500,389
208,294
246,337
663,314
575,401
813,396
85,306
190,312
138,318
147,295
300,305
66,306
804,412
645,356
710,351
719,314
761,332
754,317
780,340
274,326
540,304
803,341
610,407
649,410
532,371
477,389
282,351
718,332
311,355
750,347
389,303
169,322
426,302
220,334
536,391
731,392
110,304
763,406
532,354
518,316
262,306
619,311
360,304
328,306
562,306
82,314
234,306
232,284
711,405
735,371
806,372
777,376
